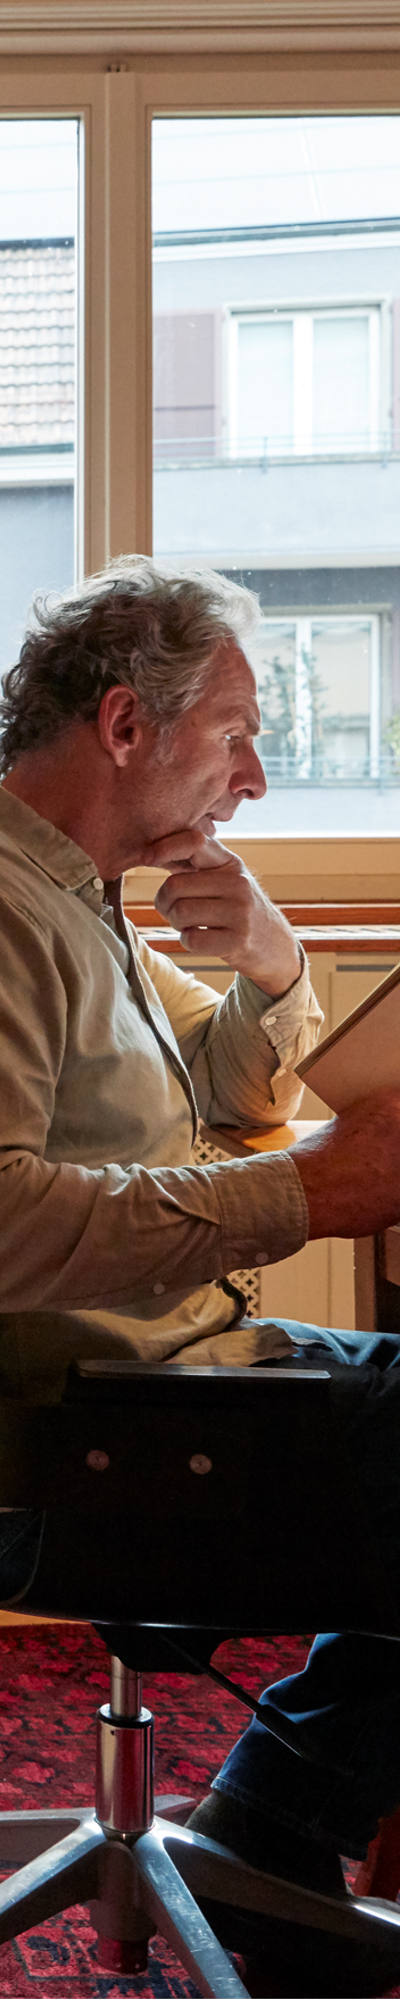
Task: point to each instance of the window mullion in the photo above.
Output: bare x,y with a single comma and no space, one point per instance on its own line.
375,699
303,698
231,338
302,381
374,377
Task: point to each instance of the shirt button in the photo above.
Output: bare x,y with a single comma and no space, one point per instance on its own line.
97,882
158,1289
271,1018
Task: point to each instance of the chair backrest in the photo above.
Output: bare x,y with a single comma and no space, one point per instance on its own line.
189,1496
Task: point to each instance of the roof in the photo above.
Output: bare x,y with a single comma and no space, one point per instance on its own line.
37,344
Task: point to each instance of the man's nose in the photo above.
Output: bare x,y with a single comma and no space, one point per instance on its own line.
249,779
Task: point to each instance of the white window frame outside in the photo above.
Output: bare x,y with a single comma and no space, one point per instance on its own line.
38,468
302,319
116,84
303,627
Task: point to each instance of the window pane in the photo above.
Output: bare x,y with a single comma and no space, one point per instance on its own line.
38,248
340,668
277,433
265,385
274,660
341,382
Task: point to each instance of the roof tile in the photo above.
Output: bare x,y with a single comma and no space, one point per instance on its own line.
37,344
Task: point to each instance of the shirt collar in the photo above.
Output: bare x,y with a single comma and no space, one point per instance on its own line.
53,851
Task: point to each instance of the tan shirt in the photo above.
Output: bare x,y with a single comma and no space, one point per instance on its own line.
110,1235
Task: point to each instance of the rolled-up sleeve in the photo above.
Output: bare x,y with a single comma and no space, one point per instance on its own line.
240,1049
73,1238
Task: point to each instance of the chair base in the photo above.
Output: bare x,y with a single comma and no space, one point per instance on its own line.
142,1872
152,1882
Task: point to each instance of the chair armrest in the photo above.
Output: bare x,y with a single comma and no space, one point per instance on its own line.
159,1383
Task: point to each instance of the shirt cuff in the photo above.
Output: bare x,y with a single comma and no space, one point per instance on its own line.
264,1213
280,1020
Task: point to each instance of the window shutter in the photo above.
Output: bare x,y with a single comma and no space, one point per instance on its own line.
185,384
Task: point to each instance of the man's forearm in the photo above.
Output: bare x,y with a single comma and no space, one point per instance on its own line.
140,1240
283,963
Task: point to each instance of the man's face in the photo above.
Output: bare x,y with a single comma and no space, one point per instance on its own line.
210,762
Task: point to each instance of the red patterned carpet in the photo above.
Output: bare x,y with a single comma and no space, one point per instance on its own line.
52,1679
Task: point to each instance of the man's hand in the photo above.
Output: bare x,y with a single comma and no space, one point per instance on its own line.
350,1169
214,902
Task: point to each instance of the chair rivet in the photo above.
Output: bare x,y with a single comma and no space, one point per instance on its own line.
98,1461
199,1463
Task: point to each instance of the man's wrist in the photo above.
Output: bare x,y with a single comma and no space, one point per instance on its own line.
277,984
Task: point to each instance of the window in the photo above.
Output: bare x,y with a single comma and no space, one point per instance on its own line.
319,690
38,349
273,241
276,444
304,382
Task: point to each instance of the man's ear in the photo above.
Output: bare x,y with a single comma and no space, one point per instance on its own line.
119,723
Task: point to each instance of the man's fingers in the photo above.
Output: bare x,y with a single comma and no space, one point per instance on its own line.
215,941
188,848
204,910
200,887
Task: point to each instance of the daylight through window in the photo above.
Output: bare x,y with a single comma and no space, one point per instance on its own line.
276,286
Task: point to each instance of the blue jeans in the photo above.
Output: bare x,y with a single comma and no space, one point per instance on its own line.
346,1702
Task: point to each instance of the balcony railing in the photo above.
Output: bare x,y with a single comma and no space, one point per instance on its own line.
176,453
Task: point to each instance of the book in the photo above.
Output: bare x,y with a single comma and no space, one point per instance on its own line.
362,1055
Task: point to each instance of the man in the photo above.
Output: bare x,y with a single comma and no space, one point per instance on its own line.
129,729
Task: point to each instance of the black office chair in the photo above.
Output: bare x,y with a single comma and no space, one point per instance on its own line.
172,1498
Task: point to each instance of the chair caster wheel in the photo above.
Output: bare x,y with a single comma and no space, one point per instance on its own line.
126,1956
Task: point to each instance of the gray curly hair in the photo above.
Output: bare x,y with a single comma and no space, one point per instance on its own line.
132,624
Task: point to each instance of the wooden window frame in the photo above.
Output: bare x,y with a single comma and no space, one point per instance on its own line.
116,80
